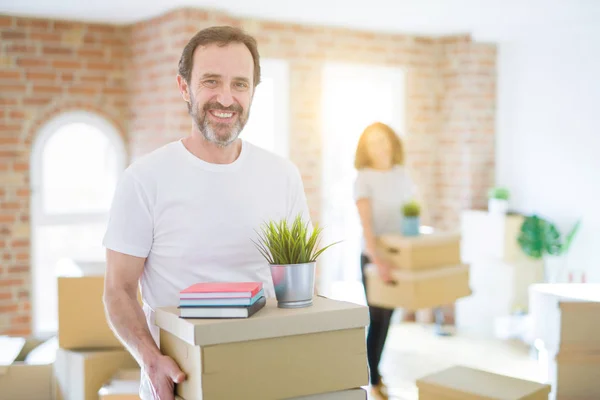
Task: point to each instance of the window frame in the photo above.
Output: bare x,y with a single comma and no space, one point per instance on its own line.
38,214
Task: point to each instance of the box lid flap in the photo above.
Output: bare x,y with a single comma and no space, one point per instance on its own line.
10,348
565,292
324,315
460,380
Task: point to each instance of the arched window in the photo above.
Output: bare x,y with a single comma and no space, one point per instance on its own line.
76,162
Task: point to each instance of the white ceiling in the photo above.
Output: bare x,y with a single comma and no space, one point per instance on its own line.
486,18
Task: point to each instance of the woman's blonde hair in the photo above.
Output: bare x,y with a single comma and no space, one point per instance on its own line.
362,159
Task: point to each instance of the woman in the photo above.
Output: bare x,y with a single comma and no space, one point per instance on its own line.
382,186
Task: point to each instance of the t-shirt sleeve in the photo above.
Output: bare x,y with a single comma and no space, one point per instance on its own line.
130,225
362,189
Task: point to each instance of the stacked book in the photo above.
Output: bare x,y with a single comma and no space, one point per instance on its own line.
221,300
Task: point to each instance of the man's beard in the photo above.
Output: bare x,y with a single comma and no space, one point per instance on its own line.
221,134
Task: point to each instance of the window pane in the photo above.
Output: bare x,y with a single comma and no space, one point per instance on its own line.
57,248
348,108
79,170
260,129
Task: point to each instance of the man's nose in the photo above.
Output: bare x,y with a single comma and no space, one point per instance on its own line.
224,96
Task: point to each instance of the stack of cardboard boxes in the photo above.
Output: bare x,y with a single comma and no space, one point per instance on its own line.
427,272
566,325
89,354
313,353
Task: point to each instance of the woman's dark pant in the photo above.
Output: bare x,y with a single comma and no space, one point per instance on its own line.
378,330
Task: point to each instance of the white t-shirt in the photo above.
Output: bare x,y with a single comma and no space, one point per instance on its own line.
195,221
387,191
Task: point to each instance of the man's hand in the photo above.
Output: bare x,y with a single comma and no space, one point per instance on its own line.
163,374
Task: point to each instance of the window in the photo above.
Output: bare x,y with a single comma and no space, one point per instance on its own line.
268,125
75,164
354,96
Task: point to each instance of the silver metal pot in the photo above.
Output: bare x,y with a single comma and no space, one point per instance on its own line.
294,284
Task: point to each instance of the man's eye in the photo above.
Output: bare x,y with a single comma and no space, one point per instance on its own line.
241,85
210,82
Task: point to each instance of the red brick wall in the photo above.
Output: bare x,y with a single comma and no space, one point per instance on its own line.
46,67
467,127
127,74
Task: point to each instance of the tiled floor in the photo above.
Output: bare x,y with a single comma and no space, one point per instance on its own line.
413,351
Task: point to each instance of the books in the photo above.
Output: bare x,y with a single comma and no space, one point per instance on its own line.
221,300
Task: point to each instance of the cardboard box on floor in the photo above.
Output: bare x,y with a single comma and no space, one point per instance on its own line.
425,251
124,385
414,290
80,374
275,354
82,321
463,383
19,380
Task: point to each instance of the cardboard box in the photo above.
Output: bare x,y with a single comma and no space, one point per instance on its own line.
124,385
463,383
574,376
414,290
275,354
490,236
566,317
81,374
82,322
351,394
425,251
19,380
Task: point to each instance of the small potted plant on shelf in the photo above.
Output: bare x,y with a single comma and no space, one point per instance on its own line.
498,200
411,220
291,251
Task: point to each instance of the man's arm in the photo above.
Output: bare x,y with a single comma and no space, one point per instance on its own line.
123,311
126,318
366,220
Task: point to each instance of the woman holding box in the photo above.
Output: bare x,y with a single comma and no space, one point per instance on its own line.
382,186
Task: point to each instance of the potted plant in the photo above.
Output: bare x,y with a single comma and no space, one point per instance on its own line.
291,251
411,220
498,200
541,239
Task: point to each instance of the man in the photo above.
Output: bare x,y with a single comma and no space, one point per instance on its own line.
188,212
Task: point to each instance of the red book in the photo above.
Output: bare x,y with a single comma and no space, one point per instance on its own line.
215,290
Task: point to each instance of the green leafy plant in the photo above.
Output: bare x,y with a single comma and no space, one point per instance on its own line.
282,243
411,209
539,237
499,193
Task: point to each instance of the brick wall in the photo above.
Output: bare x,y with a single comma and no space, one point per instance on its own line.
467,126
46,67
127,74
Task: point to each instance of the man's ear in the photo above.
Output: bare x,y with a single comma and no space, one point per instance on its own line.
184,88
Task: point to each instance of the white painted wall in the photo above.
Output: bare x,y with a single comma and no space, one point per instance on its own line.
548,136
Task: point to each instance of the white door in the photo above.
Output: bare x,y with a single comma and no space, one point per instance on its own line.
354,96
